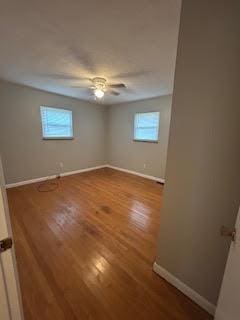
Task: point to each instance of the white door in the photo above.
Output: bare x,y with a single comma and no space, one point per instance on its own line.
228,307
10,299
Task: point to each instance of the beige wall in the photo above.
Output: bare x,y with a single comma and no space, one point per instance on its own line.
25,155
101,135
203,167
128,154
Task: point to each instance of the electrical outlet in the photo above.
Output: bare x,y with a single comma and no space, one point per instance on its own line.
144,165
61,165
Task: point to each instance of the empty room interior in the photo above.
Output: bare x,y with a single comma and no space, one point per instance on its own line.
119,143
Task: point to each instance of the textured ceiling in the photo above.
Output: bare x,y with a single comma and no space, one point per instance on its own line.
55,44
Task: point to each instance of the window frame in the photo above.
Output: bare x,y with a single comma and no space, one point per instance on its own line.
57,137
146,140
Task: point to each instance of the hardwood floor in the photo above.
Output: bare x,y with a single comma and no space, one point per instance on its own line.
86,250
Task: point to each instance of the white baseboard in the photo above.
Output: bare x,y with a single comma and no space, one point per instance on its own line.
137,173
21,183
82,170
190,293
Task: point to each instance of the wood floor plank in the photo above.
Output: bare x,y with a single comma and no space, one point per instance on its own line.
86,250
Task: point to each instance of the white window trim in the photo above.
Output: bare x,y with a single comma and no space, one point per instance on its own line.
56,138
145,140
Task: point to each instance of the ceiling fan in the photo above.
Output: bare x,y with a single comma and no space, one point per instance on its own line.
100,86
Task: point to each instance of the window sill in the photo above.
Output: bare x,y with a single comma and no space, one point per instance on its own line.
150,141
58,138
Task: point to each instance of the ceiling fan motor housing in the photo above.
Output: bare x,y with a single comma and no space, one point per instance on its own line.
99,83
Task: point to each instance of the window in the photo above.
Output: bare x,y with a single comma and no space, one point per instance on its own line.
56,123
146,126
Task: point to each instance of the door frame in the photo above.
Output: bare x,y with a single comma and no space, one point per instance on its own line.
11,302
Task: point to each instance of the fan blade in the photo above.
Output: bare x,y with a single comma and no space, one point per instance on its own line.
85,90
114,93
117,85
130,74
62,76
78,87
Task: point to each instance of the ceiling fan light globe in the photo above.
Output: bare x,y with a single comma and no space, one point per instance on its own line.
99,93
